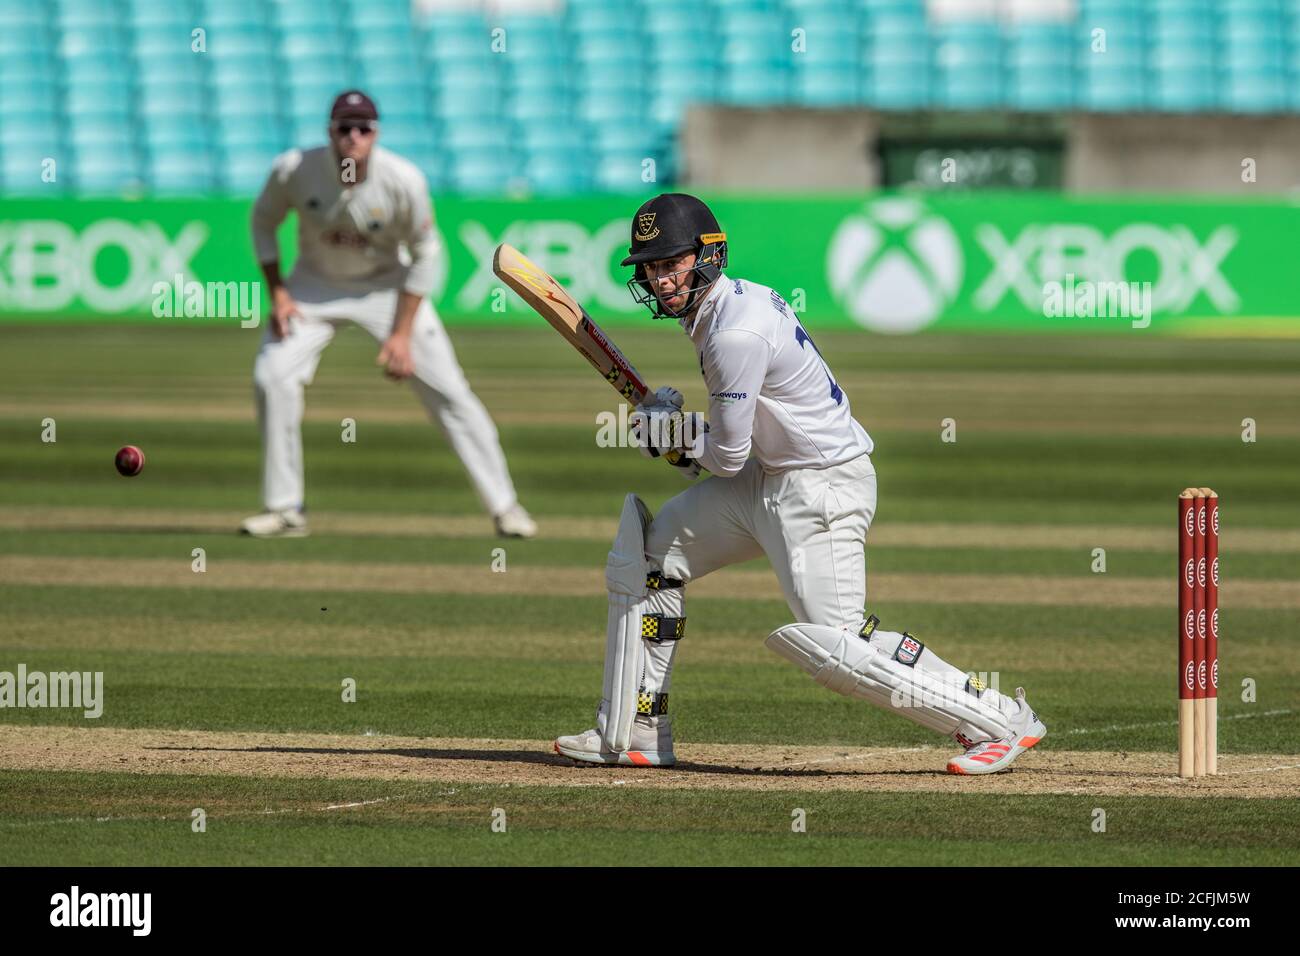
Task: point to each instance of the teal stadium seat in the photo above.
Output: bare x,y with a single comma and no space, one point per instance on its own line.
107,174
189,130
621,173
533,138
540,110
304,12
305,131
104,14
23,17
451,106
1260,91
175,65
103,100
30,99
967,63
243,172
1039,66
99,40
150,15
86,140
374,45
177,98
391,74
241,42
825,86
484,135
316,46
231,13
22,176
482,171
181,171
628,136
311,98
396,98
377,13
607,104
256,134
559,172
413,127
1254,53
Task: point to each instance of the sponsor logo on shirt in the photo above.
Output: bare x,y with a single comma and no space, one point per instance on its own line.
342,237
729,398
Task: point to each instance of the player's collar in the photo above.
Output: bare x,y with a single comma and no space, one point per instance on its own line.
706,308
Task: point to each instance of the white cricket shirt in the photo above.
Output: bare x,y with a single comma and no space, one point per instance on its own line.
770,391
352,235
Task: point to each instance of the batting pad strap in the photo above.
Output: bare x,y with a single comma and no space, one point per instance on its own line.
651,705
658,581
657,628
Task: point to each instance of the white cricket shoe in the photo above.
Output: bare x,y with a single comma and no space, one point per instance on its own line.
515,523
290,523
990,756
652,745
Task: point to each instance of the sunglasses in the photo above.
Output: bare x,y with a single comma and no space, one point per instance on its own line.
345,129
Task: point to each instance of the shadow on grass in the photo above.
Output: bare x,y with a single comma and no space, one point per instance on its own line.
547,759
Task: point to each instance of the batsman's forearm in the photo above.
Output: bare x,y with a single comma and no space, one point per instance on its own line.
404,320
271,271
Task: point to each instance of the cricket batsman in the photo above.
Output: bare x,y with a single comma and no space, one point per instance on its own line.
367,251
791,478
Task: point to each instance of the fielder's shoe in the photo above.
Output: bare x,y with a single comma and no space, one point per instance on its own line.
516,523
652,745
290,523
990,756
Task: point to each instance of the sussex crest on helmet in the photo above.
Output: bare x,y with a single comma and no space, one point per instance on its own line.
645,227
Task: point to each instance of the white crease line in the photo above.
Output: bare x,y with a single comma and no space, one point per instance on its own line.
337,806
1233,773
841,758
1168,723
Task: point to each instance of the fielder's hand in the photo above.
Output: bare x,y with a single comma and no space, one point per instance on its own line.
396,359
282,309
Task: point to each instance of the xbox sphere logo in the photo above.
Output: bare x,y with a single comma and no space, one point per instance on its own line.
894,266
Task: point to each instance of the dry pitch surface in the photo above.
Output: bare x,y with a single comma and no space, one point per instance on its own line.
700,767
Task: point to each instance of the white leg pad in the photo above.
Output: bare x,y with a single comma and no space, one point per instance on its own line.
855,667
625,577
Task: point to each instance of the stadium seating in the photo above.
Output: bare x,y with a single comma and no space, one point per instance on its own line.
180,96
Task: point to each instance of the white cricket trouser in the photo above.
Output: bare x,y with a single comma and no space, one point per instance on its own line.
811,523
286,366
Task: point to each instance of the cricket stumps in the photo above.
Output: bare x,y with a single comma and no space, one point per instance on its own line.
1198,632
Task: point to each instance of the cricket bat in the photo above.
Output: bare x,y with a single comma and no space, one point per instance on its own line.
550,300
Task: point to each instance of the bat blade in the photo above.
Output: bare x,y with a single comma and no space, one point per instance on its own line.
552,302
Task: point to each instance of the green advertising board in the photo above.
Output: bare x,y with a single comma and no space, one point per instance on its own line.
887,262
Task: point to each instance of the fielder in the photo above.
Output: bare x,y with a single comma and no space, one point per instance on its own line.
367,252
791,478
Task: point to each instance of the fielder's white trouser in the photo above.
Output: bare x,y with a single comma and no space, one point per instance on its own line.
286,366
812,525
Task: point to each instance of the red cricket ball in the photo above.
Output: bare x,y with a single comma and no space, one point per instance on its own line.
129,461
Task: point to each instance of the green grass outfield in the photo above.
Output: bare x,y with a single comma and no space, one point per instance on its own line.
983,548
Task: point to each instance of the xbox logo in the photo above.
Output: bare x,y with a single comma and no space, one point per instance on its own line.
894,266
